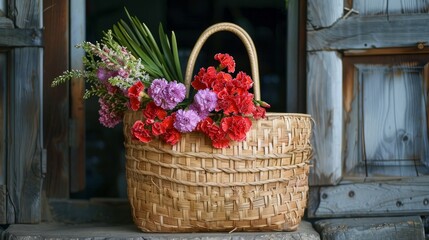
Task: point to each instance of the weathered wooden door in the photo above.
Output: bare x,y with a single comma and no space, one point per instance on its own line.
367,91
21,153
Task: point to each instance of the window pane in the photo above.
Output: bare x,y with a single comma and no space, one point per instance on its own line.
391,114
3,68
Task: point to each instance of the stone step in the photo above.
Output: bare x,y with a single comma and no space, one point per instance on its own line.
392,228
130,232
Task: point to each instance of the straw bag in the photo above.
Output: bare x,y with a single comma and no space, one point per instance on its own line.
256,185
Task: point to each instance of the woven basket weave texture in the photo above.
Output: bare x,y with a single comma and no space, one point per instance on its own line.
260,184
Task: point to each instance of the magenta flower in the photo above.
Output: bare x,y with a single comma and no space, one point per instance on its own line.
104,74
186,120
107,117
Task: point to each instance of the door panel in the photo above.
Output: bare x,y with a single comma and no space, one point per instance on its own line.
21,152
382,115
3,76
385,106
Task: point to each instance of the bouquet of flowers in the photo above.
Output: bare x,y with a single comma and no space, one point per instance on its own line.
128,71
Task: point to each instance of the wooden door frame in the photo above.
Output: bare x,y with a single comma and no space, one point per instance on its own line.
64,111
21,33
331,30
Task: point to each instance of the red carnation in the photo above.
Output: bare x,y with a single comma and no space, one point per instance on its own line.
198,83
172,136
208,127
242,82
259,112
220,141
168,121
135,93
221,82
152,111
226,61
227,104
244,103
204,78
140,132
236,127
158,128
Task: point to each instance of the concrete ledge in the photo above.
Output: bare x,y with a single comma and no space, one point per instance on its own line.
392,228
130,232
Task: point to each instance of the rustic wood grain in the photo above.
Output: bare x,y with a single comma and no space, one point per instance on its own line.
3,202
357,32
24,137
398,111
24,127
56,100
77,106
392,228
351,149
383,198
316,9
391,114
6,23
425,116
373,29
102,231
26,14
3,132
15,37
324,94
390,7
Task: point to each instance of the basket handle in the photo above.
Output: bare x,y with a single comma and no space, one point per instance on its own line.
244,37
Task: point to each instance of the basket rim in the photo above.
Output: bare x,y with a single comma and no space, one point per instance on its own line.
287,114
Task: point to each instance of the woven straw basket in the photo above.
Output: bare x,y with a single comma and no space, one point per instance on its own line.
260,184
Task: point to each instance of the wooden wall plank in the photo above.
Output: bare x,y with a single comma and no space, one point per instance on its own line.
316,10
24,117
24,177
21,37
77,88
425,116
3,106
6,23
3,202
26,14
56,100
374,32
384,198
351,150
3,132
324,82
392,228
390,137
410,114
370,7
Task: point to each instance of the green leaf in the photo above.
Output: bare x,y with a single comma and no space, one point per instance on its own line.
160,60
176,57
166,51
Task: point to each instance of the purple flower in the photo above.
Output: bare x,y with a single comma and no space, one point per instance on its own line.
205,101
157,87
104,74
123,73
107,117
166,95
176,92
186,120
